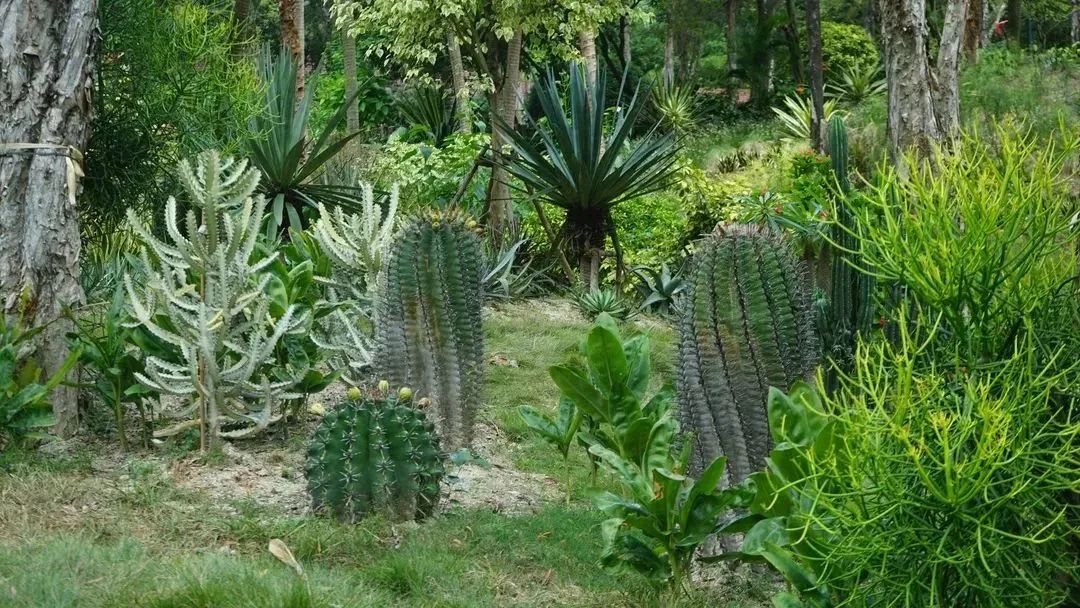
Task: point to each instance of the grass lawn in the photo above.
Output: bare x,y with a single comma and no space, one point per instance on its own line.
75,534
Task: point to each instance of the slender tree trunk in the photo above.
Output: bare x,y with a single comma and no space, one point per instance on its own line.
46,62
973,29
1075,33
587,46
291,22
817,75
624,41
348,53
461,93
504,101
947,73
911,119
729,33
669,53
791,30
1014,13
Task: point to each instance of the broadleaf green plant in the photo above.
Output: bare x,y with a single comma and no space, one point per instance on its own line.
561,430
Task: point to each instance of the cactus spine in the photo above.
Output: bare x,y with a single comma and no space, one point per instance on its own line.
849,309
375,454
745,325
428,327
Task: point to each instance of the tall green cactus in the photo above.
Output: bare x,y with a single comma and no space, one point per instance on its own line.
849,309
745,325
428,322
375,454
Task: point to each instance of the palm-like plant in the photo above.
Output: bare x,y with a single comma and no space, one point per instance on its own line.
675,105
571,164
797,114
427,108
857,83
290,161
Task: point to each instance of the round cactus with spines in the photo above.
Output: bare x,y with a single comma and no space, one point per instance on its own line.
375,454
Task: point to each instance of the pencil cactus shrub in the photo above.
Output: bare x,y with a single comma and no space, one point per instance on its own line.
375,454
745,325
201,295
428,320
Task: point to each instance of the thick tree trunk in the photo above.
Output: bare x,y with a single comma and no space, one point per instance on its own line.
502,227
348,54
729,33
461,93
791,31
587,47
1014,14
46,67
1075,33
911,119
947,74
817,75
291,22
973,29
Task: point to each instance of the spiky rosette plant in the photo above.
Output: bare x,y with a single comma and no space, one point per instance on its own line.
745,325
375,454
428,320
202,296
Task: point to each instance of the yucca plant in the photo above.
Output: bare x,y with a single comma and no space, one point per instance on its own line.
675,105
288,158
857,83
428,108
797,113
571,164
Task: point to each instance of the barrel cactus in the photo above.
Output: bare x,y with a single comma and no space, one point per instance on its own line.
375,454
428,321
745,325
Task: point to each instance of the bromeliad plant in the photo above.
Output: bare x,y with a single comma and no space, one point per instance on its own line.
288,158
570,163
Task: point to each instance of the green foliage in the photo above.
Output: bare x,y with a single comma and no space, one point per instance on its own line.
169,83
560,431
651,227
112,363
745,325
845,46
428,109
974,236
288,159
603,301
797,114
572,165
659,289
428,321
375,454
427,176
202,294
375,106
675,105
857,83
24,396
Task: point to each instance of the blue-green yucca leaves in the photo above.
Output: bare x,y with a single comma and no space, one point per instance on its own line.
287,158
570,163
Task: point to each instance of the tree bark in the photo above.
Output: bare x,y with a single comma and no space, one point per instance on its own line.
912,123
502,226
729,33
791,30
669,53
348,53
46,71
624,41
291,22
1014,14
947,74
817,73
973,30
461,93
1075,32
587,47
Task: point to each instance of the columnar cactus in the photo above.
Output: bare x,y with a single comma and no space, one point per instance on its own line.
375,455
745,325
428,321
838,150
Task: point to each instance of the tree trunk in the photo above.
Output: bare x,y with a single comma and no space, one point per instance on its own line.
348,53
1014,14
461,93
669,54
732,64
502,227
587,46
911,119
291,21
817,74
241,18
791,30
1075,33
947,74
624,41
46,59
973,30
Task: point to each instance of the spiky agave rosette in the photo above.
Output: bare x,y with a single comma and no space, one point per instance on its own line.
375,454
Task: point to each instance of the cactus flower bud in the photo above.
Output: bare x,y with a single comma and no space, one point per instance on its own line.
405,393
423,403
353,393
317,409
384,387
471,224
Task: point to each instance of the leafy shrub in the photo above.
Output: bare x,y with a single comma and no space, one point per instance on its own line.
651,228
846,45
427,176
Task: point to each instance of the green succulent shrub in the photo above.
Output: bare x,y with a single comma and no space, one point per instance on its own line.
796,116
604,301
660,289
375,454
745,325
428,320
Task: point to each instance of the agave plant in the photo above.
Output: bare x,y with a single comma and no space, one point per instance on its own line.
857,83
675,105
594,303
571,164
289,160
427,108
659,288
797,114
